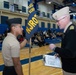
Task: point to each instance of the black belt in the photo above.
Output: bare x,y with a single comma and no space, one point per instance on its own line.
9,66
9,70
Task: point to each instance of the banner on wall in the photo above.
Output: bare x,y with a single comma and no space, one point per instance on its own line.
32,22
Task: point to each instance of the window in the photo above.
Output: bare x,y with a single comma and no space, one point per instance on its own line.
15,7
49,25
19,8
23,9
48,15
54,26
3,19
42,24
25,22
6,4
43,14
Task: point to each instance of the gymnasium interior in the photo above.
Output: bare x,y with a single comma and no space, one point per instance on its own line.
32,58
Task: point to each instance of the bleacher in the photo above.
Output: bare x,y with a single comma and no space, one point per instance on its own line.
54,40
0,46
52,29
3,28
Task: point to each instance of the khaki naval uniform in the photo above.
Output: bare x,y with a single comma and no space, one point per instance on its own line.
10,48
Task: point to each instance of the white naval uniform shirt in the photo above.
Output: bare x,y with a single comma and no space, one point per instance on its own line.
10,48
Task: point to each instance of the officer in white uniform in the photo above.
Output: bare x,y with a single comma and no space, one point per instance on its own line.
11,48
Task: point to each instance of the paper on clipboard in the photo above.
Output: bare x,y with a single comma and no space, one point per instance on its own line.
52,61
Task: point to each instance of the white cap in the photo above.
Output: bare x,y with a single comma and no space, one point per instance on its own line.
60,13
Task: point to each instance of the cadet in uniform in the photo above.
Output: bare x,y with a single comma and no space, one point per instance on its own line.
11,48
67,52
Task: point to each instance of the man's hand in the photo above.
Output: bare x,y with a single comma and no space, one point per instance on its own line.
52,46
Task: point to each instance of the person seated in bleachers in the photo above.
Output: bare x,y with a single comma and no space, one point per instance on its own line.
49,32
1,39
38,40
46,35
59,34
53,34
20,38
5,33
3,36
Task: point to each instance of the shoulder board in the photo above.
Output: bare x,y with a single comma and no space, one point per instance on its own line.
71,27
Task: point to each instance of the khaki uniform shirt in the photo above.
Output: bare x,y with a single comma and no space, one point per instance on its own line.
10,48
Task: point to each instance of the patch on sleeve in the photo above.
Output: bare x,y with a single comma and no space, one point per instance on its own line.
71,27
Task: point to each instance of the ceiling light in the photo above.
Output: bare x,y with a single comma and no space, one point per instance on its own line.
49,2
73,3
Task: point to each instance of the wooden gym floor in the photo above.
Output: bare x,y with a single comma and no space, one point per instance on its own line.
37,67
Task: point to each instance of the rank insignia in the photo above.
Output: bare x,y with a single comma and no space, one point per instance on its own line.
71,27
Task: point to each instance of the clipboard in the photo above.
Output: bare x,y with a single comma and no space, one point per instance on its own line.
50,60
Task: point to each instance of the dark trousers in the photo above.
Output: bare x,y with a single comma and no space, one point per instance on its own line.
67,73
9,70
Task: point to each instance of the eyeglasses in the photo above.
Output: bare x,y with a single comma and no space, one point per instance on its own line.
60,19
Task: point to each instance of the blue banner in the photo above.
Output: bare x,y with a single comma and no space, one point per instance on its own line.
32,22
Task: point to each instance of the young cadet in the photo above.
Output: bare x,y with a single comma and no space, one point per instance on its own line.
11,48
67,52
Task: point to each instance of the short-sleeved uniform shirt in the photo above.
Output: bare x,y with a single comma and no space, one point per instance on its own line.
10,48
